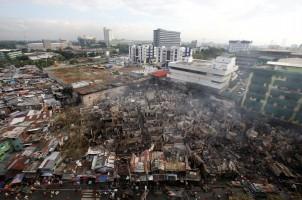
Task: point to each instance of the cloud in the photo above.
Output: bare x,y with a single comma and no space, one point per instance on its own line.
12,28
83,5
219,20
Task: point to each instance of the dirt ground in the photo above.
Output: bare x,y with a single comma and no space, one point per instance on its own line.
87,73
75,74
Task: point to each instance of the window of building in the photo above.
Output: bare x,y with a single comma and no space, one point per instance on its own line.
218,75
189,70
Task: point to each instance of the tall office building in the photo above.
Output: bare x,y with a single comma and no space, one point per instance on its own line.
107,36
46,44
239,46
166,38
193,44
86,41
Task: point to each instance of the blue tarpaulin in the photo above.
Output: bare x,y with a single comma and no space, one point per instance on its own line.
2,184
102,178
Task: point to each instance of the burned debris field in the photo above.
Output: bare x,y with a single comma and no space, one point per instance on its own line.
130,100
161,133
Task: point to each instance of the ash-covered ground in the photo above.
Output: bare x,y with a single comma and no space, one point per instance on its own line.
160,132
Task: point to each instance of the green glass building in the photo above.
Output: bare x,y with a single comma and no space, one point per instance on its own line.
275,89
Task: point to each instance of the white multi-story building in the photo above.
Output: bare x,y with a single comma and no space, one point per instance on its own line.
107,36
215,74
239,45
172,54
61,44
35,46
141,54
47,44
186,54
159,55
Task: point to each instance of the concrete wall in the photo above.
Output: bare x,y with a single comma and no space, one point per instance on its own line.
52,76
93,98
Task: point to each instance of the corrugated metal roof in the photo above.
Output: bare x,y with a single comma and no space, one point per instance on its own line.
160,73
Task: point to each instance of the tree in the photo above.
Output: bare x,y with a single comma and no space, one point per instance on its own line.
66,54
73,62
210,53
123,48
23,57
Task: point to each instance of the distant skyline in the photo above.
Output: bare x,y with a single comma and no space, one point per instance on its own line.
262,21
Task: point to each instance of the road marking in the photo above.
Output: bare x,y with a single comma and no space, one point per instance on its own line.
88,195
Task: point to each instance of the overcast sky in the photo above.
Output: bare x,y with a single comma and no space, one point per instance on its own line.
263,21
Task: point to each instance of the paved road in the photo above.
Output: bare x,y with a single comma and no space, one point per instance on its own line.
88,195
45,195
61,194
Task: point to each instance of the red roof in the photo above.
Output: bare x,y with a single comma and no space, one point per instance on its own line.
17,164
160,73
